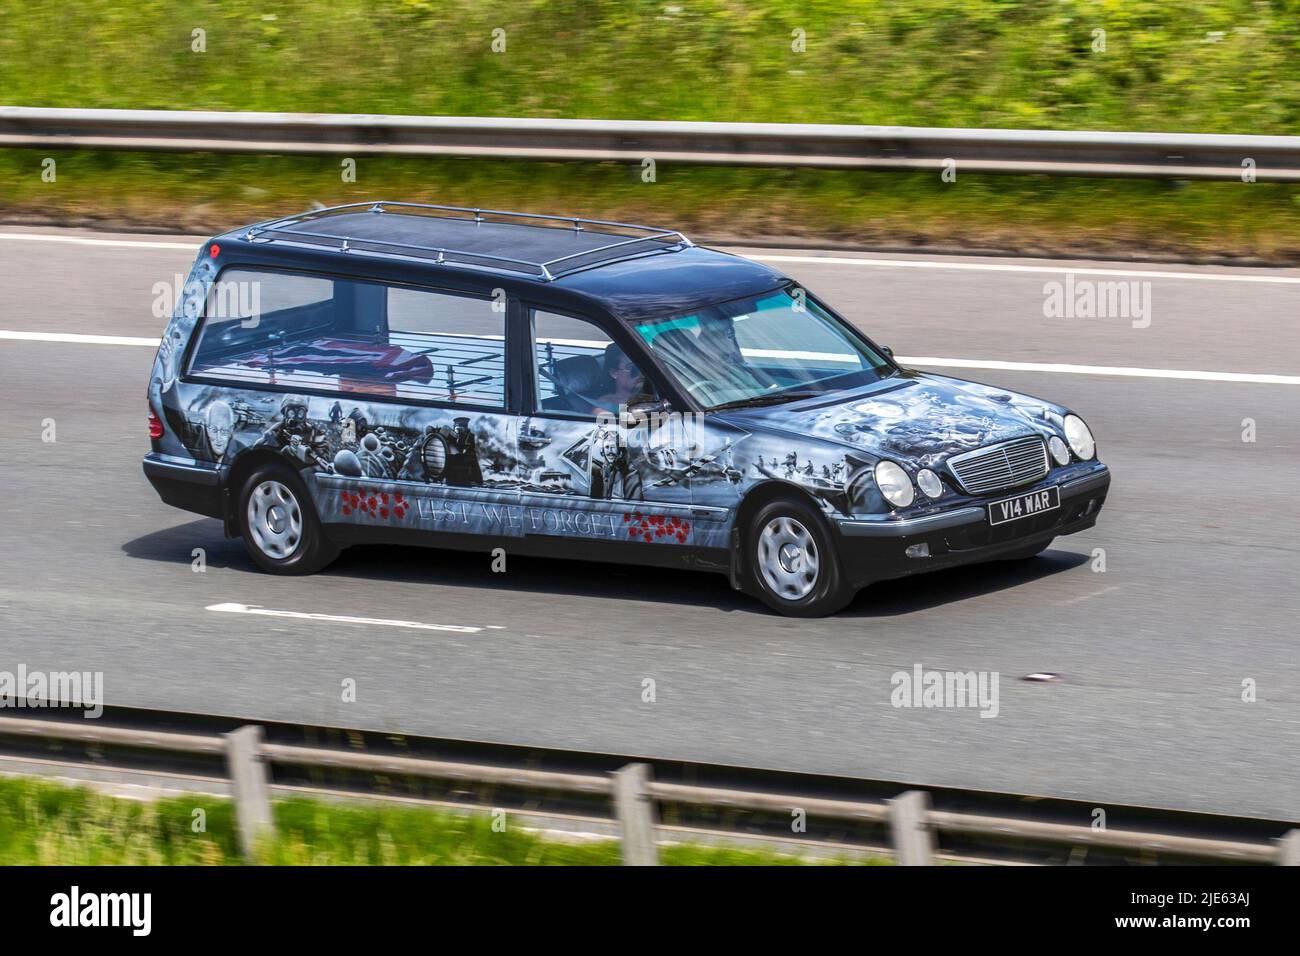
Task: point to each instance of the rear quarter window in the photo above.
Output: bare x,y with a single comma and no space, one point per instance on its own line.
319,333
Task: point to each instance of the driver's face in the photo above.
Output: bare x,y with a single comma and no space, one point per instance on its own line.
627,376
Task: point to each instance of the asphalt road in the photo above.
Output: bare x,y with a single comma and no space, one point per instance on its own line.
1199,592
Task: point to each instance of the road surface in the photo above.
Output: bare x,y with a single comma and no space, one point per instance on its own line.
1197,600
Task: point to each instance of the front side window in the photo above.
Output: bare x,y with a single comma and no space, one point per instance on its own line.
777,347
579,370
327,334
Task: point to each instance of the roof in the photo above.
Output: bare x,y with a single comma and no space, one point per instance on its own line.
635,271
529,243
651,287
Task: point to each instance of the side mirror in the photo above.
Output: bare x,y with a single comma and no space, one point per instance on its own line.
650,408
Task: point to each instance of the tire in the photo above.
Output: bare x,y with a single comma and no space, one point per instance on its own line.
279,525
791,563
1033,551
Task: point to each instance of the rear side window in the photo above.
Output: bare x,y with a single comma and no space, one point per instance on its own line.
326,334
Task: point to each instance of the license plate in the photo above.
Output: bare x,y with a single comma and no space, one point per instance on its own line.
1024,506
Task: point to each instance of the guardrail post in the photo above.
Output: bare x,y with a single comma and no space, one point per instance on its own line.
1288,849
636,815
913,838
252,787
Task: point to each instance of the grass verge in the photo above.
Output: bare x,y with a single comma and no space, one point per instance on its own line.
1179,65
1030,216
42,823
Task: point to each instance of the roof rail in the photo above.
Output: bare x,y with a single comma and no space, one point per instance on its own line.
653,239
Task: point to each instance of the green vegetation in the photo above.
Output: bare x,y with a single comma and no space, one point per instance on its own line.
1181,65
208,194
1228,66
44,824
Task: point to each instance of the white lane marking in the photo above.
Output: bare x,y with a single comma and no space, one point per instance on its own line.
110,243
921,360
1086,597
1257,379
78,338
744,350
1008,267
340,619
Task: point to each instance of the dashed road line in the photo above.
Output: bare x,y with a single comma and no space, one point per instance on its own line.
232,608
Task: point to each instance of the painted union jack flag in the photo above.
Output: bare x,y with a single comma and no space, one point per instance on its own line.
364,361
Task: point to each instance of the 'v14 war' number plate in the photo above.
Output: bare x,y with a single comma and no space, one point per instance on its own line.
1024,506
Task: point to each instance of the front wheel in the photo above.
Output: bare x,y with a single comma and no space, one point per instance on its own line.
792,564
279,526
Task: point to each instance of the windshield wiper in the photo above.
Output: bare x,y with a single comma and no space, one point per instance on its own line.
776,398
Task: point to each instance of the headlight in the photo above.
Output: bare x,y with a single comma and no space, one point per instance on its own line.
1080,439
894,484
929,482
1059,451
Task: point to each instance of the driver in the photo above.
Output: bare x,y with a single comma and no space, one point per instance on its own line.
628,381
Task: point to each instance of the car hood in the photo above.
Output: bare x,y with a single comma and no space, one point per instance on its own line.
912,417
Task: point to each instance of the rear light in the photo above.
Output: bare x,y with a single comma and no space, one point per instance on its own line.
155,425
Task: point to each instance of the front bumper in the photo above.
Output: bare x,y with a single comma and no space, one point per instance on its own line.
190,485
876,548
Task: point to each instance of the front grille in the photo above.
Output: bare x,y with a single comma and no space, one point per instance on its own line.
998,467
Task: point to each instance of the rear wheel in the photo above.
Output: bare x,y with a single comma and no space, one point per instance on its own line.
279,525
791,561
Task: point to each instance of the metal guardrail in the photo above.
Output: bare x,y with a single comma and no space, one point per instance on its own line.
912,823
1042,152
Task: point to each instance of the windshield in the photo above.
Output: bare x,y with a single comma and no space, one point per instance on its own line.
780,346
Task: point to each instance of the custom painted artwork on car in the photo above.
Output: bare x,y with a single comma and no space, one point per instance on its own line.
747,457
828,451
925,418
442,469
